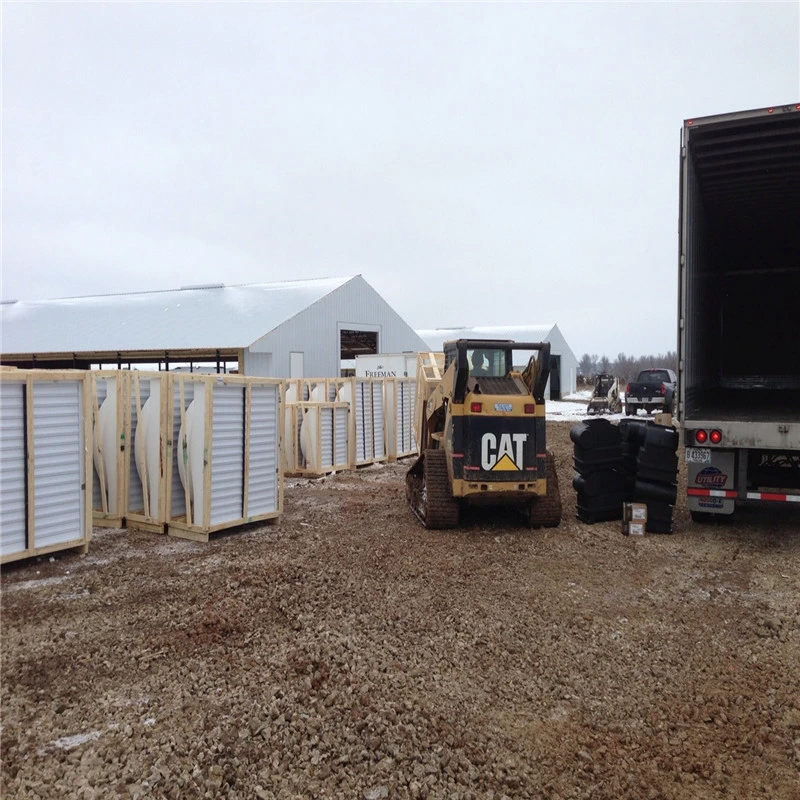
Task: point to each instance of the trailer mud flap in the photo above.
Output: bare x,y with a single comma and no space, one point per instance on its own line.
711,487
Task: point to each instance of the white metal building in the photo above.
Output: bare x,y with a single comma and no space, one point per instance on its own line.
290,329
563,363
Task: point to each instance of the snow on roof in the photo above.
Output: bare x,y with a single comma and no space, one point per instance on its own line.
192,318
436,337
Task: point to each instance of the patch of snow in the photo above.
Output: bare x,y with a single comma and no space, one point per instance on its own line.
71,742
22,585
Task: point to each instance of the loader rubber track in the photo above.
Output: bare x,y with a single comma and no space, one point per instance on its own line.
428,491
545,512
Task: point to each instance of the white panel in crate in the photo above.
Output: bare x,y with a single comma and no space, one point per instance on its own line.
363,410
379,445
227,454
58,442
403,415
262,484
178,494
101,391
142,430
13,523
326,439
340,436
106,430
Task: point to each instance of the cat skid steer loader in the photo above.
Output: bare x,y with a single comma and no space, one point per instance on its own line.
480,426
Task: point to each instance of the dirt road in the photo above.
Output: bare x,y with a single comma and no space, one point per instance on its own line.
346,652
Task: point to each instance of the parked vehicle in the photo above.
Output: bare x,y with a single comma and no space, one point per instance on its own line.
653,390
739,284
480,425
605,397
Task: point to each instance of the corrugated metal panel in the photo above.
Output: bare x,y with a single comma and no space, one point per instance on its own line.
316,330
227,454
58,437
363,410
257,364
404,413
326,459
378,440
262,485
13,523
341,416
369,411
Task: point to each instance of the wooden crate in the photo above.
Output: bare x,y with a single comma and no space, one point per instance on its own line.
369,417
322,431
400,397
45,462
224,453
430,369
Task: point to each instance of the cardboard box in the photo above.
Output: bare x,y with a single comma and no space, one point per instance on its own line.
634,512
664,419
633,528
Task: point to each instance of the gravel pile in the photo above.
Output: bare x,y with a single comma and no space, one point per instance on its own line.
346,652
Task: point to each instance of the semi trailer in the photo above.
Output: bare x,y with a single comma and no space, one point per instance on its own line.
739,309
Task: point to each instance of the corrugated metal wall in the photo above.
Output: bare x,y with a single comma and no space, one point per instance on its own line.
262,489
227,454
316,332
58,444
12,468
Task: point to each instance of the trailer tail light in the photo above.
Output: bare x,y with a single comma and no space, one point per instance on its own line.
715,437
530,408
701,437
476,408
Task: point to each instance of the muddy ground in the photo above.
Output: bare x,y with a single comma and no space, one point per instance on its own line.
346,652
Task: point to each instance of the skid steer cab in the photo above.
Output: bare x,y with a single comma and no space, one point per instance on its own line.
480,425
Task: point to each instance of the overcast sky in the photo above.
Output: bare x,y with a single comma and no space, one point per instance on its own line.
478,163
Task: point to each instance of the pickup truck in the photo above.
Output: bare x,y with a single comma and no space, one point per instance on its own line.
653,390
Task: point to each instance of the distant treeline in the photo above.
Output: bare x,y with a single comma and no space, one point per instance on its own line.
626,368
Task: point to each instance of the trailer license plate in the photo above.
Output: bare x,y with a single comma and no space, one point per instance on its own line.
698,455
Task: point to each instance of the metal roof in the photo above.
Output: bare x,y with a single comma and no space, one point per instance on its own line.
191,318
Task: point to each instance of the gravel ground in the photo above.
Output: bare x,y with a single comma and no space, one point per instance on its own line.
346,652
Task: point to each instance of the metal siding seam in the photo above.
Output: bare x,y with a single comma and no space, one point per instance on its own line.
58,506
13,473
227,454
263,474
